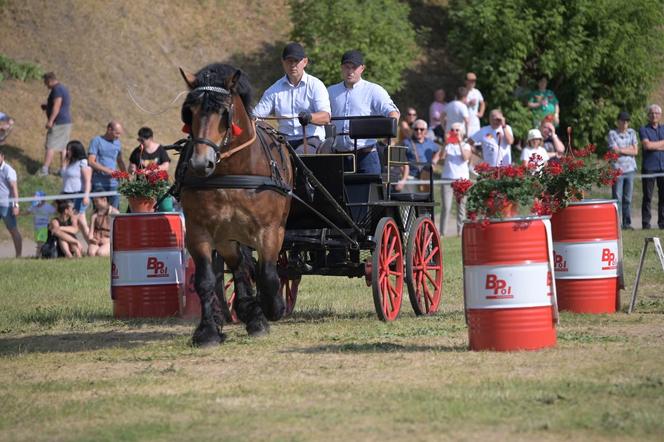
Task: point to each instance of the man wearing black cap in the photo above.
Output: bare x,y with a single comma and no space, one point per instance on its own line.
623,142
300,97
356,97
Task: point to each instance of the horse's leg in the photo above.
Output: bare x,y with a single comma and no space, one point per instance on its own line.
267,279
239,260
209,330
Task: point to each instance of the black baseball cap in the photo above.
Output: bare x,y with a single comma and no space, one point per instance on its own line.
293,50
354,57
623,116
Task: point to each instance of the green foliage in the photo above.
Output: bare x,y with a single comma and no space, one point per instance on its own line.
380,29
601,56
20,71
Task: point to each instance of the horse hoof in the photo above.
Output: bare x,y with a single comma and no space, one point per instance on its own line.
259,327
207,337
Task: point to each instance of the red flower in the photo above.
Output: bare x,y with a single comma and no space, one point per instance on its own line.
611,156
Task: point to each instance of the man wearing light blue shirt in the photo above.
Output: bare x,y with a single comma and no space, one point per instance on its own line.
299,96
357,97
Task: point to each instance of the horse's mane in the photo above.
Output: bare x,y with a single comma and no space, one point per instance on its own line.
215,74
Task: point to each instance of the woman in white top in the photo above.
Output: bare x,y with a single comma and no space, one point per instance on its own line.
77,178
456,155
534,147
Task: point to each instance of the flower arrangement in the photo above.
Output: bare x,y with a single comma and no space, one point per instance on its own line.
499,191
567,178
150,183
541,190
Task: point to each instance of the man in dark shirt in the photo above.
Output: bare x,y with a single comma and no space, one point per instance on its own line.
652,140
58,120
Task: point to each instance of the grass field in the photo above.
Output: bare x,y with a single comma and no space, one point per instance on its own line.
69,371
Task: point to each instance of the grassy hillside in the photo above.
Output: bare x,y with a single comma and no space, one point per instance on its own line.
100,49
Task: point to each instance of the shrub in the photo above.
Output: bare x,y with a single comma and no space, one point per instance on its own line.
379,28
19,71
601,56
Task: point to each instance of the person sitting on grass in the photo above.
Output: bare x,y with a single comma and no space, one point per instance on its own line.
64,227
100,227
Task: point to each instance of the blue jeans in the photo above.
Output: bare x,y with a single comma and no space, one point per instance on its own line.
368,162
101,186
622,191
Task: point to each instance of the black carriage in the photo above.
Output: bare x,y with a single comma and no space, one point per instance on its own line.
344,223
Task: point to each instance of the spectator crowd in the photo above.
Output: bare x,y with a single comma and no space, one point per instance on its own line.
453,136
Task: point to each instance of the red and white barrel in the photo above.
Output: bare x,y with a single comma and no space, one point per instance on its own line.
587,247
147,264
509,296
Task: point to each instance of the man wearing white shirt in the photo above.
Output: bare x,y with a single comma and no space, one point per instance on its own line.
496,140
9,210
475,101
300,96
457,111
357,97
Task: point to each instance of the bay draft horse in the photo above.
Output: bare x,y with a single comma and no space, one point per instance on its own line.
235,197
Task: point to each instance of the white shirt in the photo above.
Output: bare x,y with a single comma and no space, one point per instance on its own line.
72,177
457,112
436,111
364,98
492,154
282,99
528,152
455,166
475,97
7,176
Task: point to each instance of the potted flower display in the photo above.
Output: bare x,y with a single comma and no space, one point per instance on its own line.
142,188
586,234
566,179
502,191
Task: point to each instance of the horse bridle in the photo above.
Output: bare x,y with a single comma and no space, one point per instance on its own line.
228,138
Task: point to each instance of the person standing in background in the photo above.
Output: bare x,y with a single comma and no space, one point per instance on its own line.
77,178
105,156
456,154
9,210
437,109
543,104
496,140
652,140
623,142
150,152
475,102
58,121
457,111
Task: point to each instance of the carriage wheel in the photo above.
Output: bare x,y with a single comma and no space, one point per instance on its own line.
287,287
230,299
424,266
387,270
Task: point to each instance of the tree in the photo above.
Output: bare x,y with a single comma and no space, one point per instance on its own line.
378,28
601,56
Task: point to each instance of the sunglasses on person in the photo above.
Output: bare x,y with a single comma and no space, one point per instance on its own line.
417,129
412,114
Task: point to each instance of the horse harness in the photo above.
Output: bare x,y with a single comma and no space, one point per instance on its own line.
269,141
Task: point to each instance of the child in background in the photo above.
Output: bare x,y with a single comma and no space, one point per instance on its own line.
41,212
100,227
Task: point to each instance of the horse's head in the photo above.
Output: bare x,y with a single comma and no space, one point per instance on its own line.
208,111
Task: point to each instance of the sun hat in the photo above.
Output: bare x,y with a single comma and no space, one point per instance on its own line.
534,134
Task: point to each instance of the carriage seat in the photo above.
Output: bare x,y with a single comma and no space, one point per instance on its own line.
373,127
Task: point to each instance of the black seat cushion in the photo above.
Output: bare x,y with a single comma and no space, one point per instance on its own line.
412,197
